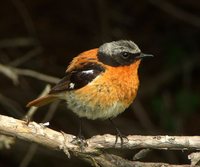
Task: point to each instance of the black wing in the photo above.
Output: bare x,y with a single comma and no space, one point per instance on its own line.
78,78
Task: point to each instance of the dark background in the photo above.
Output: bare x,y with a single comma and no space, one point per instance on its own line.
56,31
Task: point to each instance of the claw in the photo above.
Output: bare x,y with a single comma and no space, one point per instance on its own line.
80,141
119,135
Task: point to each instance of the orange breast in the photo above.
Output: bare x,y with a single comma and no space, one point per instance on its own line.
117,84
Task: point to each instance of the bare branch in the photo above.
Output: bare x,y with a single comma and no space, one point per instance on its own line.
56,140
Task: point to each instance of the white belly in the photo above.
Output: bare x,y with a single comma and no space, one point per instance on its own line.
91,111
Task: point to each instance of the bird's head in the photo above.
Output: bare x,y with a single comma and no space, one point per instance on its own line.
120,53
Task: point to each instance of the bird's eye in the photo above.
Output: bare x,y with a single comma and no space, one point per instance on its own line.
125,55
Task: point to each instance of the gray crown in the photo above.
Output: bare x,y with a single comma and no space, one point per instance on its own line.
116,47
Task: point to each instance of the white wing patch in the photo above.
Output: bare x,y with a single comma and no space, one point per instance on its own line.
71,85
88,71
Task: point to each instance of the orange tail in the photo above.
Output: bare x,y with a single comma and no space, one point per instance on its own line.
41,101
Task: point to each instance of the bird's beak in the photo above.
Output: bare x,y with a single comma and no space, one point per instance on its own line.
142,55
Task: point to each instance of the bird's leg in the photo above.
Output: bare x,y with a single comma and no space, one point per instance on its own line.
27,119
79,139
118,134
80,136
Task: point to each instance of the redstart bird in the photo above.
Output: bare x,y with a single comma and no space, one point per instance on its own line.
99,83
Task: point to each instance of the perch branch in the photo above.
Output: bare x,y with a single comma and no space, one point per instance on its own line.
56,140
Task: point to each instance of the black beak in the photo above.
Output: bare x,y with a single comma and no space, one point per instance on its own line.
142,55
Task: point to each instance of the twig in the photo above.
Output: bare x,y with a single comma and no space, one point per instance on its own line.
25,16
142,116
35,74
110,160
7,71
141,154
12,73
55,140
154,84
11,106
6,142
32,53
33,109
17,42
29,155
176,12
195,158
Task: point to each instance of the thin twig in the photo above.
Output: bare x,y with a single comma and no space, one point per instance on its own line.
33,109
11,106
142,116
154,84
6,142
12,73
110,160
195,158
35,74
7,71
177,12
32,53
21,8
17,42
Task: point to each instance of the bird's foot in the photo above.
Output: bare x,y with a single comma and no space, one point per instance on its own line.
27,119
119,136
80,141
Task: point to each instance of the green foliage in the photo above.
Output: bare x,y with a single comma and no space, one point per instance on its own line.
184,103
174,52
187,102
166,119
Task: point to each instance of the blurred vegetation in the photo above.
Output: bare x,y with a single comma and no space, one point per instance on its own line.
50,33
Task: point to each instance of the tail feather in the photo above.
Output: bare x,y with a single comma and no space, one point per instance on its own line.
41,101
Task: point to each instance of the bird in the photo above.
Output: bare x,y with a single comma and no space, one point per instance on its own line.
99,83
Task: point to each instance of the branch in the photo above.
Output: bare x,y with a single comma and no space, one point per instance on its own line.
52,139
